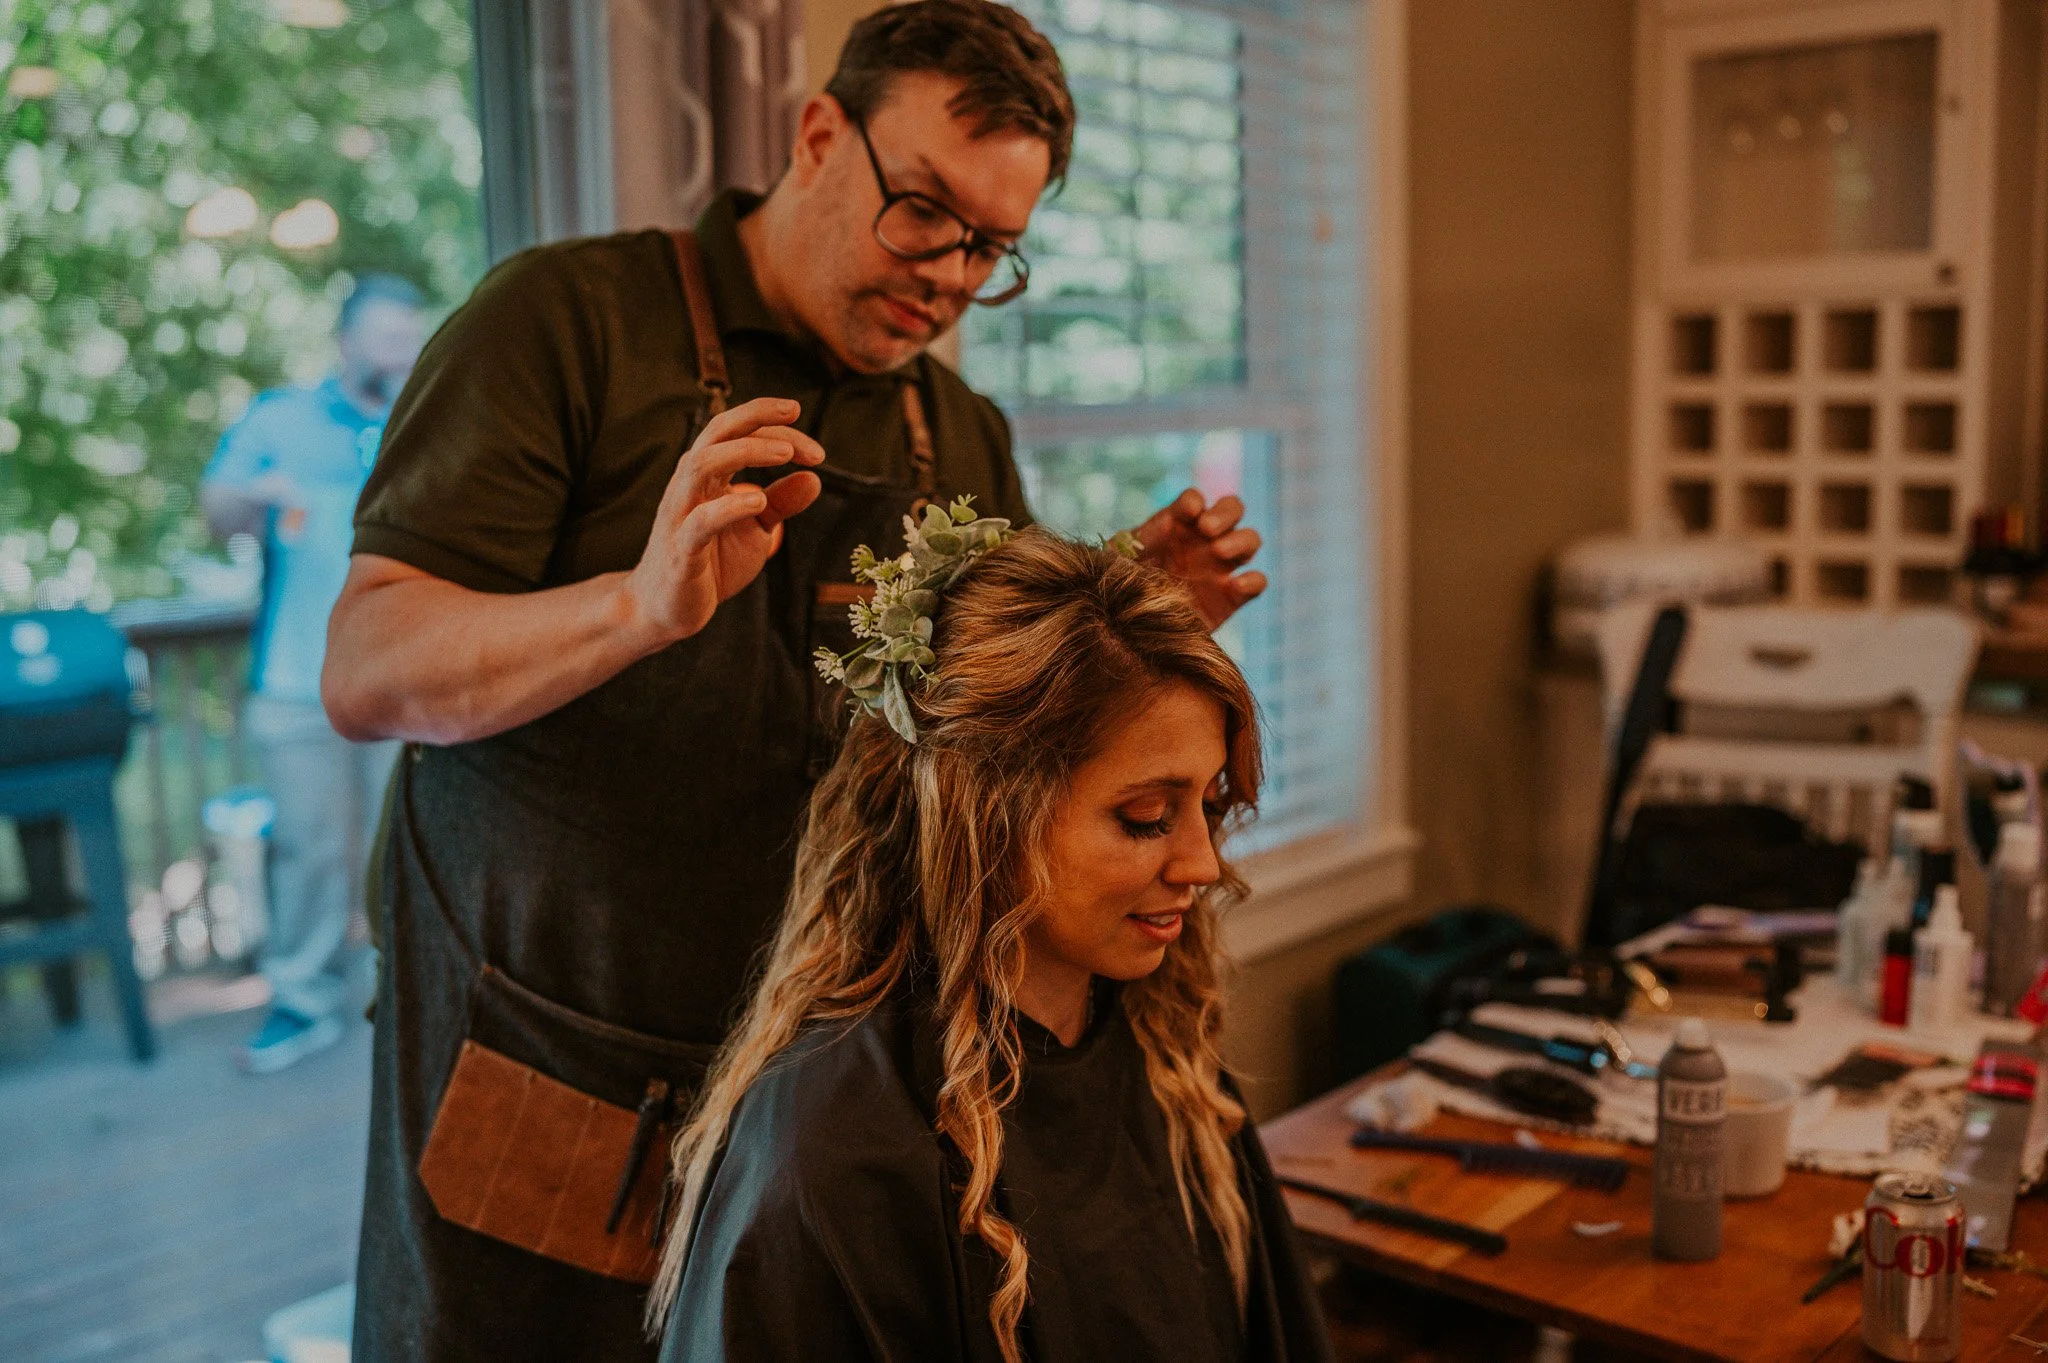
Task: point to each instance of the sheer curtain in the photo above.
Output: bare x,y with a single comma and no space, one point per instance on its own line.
704,97
598,115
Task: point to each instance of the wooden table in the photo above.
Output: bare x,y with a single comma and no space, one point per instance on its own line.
1743,1306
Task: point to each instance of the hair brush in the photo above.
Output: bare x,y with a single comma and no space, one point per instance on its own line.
1501,1157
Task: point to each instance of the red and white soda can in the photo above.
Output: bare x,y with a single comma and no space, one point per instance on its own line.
1913,1269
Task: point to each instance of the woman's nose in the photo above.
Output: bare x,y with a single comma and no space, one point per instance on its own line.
1194,859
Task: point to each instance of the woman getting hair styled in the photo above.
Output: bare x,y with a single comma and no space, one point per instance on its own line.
975,1110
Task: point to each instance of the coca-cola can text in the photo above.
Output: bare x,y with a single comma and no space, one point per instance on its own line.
1913,1269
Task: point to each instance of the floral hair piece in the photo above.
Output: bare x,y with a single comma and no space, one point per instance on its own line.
895,628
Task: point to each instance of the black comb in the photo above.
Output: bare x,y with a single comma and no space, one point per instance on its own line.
1499,1157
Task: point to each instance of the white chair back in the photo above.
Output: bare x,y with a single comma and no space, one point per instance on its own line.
1776,670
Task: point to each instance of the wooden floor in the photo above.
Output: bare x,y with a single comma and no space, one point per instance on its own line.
161,1213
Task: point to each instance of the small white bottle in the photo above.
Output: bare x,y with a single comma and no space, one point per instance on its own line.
1852,931
1890,905
1941,968
1916,826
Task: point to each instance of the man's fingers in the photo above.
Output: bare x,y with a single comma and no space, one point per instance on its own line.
747,418
1245,586
712,467
720,514
1220,517
1163,524
1157,527
808,451
787,496
1236,548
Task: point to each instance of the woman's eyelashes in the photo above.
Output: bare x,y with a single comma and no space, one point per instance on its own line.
1146,828
1147,821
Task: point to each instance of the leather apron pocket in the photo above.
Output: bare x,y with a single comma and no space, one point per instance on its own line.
554,1130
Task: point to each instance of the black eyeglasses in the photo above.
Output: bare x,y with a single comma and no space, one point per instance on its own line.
917,227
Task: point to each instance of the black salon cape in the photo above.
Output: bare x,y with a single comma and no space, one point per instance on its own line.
830,1230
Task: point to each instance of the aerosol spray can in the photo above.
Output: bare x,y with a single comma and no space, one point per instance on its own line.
1692,1104
2013,935
1913,1269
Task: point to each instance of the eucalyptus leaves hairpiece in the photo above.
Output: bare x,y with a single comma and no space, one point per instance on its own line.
895,628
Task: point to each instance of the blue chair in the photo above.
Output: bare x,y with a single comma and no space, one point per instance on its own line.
65,714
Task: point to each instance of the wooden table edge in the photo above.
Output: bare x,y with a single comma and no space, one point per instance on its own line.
1522,1308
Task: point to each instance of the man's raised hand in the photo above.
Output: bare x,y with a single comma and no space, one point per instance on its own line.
711,535
1204,546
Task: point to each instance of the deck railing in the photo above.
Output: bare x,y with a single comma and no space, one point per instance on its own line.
186,749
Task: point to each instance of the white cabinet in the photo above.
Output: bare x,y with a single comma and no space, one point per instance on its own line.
1838,348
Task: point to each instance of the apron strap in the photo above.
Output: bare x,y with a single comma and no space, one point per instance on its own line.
920,435
711,372
713,378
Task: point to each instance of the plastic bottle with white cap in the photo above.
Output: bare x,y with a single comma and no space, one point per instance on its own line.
1859,934
1916,824
1941,968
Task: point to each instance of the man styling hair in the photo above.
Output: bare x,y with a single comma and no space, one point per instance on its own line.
610,524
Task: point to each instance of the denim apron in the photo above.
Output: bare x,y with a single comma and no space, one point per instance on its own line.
581,901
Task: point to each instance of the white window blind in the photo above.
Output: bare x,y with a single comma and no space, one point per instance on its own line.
1194,320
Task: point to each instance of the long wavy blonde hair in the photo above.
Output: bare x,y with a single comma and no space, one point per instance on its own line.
929,860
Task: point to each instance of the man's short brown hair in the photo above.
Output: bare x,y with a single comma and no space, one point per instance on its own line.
1012,77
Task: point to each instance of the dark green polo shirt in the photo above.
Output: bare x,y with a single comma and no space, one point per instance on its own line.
534,440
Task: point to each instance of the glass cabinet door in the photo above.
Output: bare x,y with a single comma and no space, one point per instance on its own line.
1816,150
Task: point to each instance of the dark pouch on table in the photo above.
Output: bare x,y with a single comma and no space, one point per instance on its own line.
553,1132
1676,857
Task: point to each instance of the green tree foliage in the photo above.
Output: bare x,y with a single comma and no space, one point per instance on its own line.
127,340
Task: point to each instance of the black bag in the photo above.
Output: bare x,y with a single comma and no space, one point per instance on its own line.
1677,857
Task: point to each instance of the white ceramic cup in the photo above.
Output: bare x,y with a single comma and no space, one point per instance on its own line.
1758,1134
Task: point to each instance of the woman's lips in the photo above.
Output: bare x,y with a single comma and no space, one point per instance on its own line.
1163,928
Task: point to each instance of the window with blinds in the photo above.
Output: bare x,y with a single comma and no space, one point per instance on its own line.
1194,320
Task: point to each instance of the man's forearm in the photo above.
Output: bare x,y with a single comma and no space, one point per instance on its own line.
414,657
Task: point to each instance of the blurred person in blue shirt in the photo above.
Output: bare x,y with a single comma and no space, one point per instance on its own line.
289,472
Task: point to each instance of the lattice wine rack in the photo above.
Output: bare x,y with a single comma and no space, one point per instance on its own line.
1838,324
1827,432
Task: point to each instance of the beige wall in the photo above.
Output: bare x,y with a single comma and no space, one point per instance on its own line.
1519,157
1280,1016
1519,240
825,25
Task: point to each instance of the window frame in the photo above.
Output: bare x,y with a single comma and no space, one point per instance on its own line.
1364,868
1344,874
